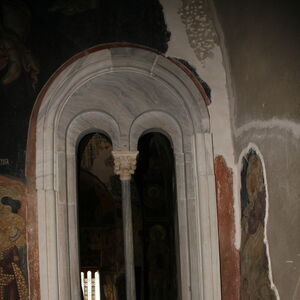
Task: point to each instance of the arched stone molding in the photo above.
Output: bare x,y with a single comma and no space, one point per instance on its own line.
123,92
157,121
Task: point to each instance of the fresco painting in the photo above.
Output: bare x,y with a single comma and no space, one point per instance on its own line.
100,215
13,249
255,281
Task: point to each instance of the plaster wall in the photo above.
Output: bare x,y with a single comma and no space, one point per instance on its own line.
194,38
210,69
262,46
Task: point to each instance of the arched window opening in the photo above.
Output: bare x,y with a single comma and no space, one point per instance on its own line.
100,218
154,216
156,238
82,99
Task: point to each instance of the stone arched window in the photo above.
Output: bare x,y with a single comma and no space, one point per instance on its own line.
122,92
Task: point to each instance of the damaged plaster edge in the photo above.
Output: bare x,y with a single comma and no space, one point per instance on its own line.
219,108
237,206
274,123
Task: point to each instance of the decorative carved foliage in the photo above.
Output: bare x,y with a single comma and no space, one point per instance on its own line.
199,27
125,163
255,281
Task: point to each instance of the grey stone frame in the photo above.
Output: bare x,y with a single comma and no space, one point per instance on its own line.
125,92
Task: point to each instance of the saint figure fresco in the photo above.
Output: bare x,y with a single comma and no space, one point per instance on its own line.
13,284
255,281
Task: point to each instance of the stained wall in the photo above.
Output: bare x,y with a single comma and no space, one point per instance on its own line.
262,42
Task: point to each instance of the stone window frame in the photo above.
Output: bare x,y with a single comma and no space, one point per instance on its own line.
59,121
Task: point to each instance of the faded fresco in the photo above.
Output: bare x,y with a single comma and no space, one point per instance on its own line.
100,216
255,282
13,250
155,181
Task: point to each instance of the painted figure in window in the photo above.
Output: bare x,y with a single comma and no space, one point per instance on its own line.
255,281
13,284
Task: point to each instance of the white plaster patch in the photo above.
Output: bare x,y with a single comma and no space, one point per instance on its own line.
274,123
237,208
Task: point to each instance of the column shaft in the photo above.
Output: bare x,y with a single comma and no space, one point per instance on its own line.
125,164
128,240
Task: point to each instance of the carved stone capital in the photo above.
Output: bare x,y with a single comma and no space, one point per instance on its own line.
125,163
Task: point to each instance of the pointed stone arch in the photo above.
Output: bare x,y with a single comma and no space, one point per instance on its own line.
122,91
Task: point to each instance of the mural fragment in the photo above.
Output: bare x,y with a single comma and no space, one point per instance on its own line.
255,280
13,248
100,215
